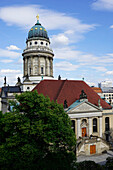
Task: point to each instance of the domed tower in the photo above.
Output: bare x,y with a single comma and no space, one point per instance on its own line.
37,57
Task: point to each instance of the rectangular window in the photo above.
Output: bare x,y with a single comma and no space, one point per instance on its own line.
94,125
107,124
42,70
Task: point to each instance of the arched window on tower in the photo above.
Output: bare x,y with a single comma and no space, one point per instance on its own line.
30,70
107,124
42,70
94,125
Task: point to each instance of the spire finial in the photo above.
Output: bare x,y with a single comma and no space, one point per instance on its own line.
37,17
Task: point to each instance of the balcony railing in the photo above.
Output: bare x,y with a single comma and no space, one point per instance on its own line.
38,48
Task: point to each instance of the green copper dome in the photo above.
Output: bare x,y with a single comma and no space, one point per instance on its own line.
38,31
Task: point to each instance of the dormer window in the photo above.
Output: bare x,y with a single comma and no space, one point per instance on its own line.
35,42
41,43
30,43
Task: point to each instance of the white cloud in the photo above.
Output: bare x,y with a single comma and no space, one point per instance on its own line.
68,28
13,47
67,53
5,71
20,61
6,61
65,39
102,69
23,16
103,5
66,66
59,40
10,54
90,83
109,72
84,59
111,26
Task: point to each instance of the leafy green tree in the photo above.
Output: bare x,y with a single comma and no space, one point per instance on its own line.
87,165
109,163
36,134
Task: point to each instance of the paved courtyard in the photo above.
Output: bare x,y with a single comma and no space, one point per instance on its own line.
100,159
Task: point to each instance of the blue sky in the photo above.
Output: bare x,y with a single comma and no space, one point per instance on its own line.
81,35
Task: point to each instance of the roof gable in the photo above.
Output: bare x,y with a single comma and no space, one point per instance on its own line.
83,106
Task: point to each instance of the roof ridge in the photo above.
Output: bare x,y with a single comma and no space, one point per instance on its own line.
61,88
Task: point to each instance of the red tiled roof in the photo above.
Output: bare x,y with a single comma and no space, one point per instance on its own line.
69,90
97,89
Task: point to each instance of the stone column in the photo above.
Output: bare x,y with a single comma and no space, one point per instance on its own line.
78,128
51,67
25,66
35,65
31,65
90,126
39,71
100,126
46,66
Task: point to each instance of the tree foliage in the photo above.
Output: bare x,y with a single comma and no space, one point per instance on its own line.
109,163
35,132
87,165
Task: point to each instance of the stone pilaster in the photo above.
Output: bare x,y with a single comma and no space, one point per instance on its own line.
51,67
39,71
100,126
35,65
32,65
90,126
78,128
26,66
46,67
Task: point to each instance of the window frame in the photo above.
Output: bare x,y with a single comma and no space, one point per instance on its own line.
95,126
107,124
42,70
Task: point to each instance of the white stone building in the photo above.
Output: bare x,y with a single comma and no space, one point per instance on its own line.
106,83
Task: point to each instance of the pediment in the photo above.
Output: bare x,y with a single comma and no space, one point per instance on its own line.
85,107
